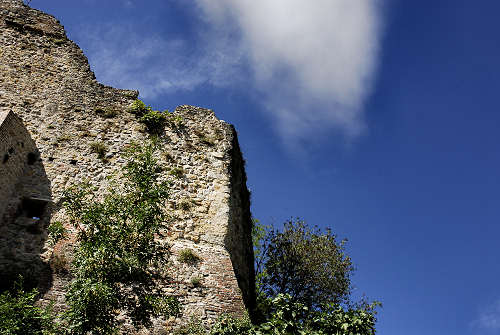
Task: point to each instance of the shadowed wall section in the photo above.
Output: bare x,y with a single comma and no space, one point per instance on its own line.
25,206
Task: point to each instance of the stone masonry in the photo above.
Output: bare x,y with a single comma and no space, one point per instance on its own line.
51,111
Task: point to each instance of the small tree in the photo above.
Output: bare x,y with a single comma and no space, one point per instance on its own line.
118,257
303,282
307,264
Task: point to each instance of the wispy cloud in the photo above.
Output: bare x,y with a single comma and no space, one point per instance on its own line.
152,64
311,63
489,318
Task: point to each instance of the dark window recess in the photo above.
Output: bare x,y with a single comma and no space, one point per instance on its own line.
11,151
33,207
73,161
5,158
32,158
51,159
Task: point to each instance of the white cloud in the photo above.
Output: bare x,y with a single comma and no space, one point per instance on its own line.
310,62
489,318
315,60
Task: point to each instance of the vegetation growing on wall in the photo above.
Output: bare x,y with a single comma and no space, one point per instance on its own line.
20,316
155,121
117,248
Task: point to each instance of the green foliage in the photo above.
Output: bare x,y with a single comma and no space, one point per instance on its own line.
138,108
259,232
185,205
20,316
117,248
177,172
229,325
175,121
291,317
194,327
154,120
188,256
305,263
99,148
56,232
196,281
303,283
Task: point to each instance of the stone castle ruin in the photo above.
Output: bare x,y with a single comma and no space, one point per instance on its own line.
52,110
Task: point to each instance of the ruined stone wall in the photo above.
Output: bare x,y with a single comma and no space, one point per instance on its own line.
12,156
46,80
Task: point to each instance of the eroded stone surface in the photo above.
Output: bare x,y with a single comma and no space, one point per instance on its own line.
50,100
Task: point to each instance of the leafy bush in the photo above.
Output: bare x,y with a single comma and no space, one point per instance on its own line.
188,256
138,108
194,327
20,316
291,317
56,232
99,148
154,120
196,281
303,284
229,325
177,172
117,248
175,121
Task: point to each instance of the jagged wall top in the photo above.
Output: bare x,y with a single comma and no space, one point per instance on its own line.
17,13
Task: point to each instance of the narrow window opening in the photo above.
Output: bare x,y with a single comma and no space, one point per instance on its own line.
5,158
32,158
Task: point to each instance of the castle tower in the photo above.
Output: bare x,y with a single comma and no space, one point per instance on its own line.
51,102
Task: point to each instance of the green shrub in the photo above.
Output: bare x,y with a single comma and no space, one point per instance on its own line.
194,327
175,120
56,232
138,108
154,120
188,256
185,205
99,148
196,281
229,325
20,316
177,172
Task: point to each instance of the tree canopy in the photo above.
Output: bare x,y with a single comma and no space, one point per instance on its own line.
309,265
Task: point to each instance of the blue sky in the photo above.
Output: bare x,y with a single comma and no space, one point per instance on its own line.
378,119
